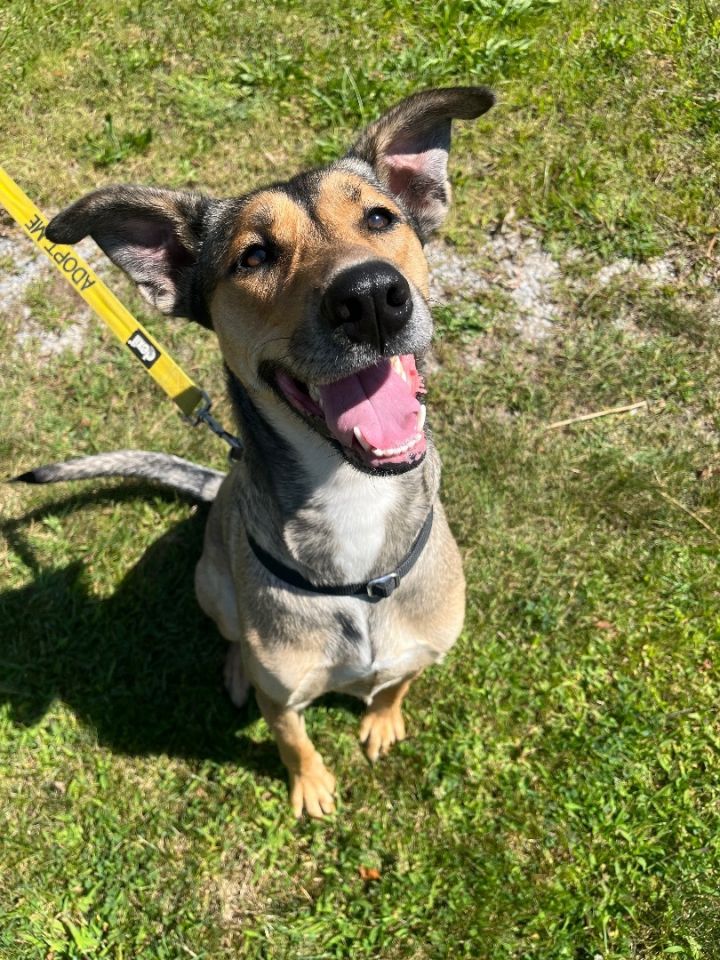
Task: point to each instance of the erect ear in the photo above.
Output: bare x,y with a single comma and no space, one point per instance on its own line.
408,147
153,235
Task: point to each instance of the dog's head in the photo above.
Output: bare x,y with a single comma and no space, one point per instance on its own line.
317,287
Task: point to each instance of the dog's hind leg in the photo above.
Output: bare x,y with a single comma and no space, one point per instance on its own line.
216,595
215,591
383,724
311,784
236,681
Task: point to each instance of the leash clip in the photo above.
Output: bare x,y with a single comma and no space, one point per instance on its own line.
203,415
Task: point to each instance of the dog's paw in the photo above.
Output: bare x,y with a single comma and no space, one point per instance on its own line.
313,791
236,683
380,729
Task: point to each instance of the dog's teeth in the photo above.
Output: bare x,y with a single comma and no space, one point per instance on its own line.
422,413
315,394
396,364
396,451
361,439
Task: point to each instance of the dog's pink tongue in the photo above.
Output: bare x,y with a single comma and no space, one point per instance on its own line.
378,401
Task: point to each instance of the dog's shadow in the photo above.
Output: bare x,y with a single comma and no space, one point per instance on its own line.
143,668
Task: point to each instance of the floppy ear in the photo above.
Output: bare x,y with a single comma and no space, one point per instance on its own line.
153,235
408,148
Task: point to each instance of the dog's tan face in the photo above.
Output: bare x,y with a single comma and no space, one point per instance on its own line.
279,325
317,288
283,251
283,256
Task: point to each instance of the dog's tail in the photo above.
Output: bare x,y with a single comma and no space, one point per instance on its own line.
200,483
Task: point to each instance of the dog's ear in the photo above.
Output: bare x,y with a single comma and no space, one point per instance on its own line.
153,235
408,148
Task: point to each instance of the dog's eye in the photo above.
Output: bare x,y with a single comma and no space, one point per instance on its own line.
255,256
379,218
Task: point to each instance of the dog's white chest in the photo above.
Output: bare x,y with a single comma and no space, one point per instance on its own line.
352,511
357,511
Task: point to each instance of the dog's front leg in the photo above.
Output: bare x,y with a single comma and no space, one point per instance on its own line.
311,784
383,723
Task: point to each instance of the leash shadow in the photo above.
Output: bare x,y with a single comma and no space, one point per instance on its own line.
143,668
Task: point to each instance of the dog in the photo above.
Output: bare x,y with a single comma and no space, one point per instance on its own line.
328,562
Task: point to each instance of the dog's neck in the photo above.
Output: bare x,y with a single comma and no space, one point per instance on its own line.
307,506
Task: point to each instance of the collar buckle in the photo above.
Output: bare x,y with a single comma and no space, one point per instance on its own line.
382,587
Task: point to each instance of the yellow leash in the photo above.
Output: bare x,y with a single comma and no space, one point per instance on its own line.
192,401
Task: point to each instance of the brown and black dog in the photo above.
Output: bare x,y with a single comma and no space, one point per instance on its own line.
328,562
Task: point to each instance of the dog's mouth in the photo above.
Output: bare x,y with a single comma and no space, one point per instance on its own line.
374,414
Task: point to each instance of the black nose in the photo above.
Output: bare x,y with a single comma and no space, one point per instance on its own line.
369,302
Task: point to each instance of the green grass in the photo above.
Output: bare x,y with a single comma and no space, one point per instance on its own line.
608,133
559,797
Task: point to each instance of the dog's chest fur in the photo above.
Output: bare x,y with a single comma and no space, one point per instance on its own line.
347,513
377,650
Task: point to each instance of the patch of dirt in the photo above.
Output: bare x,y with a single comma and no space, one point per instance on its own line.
453,275
46,343
512,260
28,265
659,270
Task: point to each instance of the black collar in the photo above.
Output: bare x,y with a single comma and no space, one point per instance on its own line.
376,589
